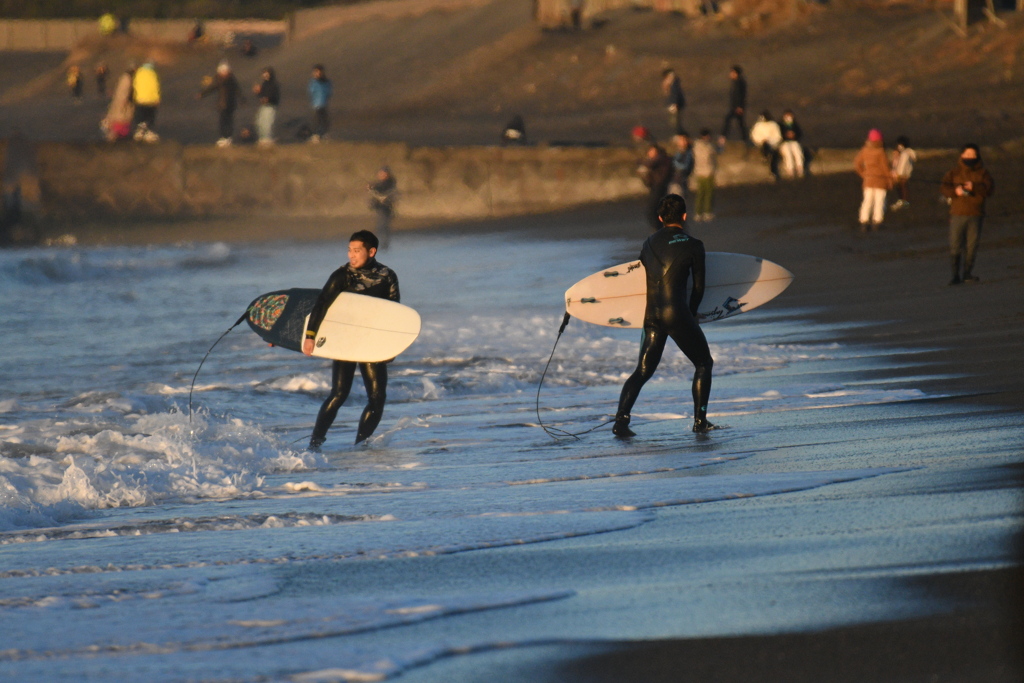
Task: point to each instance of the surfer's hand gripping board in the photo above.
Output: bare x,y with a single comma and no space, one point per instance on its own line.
733,284
356,328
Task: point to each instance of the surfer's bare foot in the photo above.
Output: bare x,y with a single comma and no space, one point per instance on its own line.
703,426
622,430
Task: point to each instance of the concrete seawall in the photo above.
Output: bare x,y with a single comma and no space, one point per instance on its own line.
167,179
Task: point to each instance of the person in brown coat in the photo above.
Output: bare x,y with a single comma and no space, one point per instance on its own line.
872,166
967,185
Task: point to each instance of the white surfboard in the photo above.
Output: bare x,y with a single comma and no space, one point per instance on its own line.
365,329
733,284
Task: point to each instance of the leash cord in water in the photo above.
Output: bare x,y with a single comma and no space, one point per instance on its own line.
555,432
193,386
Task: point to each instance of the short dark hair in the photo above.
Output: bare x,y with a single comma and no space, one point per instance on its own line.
672,209
903,140
368,239
738,69
971,145
320,68
667,71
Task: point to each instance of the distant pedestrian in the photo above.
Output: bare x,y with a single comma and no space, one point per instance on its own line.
903,159
383,193
675,99
737,103
767,136
872,166
655,170
682,165
118,123
228,96
101,72
705,164
791,150
320,91
268,92
576,14
146,94
75,82
967,185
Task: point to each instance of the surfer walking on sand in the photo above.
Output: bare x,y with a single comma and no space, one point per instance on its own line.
361,275
670,256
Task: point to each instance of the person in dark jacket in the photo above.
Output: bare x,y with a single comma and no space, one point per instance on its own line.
675,100
967,185
268,92
671,257
655,171
363,274
228,97
791,150
383,193
737,104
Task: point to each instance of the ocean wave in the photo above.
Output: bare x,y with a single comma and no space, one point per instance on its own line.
56,469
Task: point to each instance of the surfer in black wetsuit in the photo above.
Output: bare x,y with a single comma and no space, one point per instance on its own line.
670,257
362,275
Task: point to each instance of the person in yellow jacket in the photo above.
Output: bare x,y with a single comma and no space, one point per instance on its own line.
146,95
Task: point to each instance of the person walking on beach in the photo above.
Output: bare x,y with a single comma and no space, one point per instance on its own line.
705,163
228,96
268,92
75,82
101,72
363,274
967,185
671,257
320,91
146,96
655,170
737,104
903,159
876,179
675,100
682,165
382,201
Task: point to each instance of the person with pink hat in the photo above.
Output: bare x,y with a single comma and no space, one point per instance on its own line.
872,166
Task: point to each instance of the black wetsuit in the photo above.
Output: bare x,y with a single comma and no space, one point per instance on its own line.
373,279
670,257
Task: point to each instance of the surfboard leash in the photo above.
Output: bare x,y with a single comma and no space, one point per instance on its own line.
193,385
554,432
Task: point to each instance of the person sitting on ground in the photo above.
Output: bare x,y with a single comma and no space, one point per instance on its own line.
767,136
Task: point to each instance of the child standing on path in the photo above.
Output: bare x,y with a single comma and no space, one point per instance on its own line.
903,158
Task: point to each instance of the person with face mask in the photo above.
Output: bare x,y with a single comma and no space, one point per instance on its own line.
967,185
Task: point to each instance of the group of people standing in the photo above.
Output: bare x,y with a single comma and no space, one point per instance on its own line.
137,97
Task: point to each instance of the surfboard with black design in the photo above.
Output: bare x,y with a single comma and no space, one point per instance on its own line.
356,327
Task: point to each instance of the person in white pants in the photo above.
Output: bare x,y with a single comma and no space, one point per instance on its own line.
872,166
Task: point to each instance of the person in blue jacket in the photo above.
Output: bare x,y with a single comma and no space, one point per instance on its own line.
320,91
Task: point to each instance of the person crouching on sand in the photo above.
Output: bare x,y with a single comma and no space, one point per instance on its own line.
876,176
